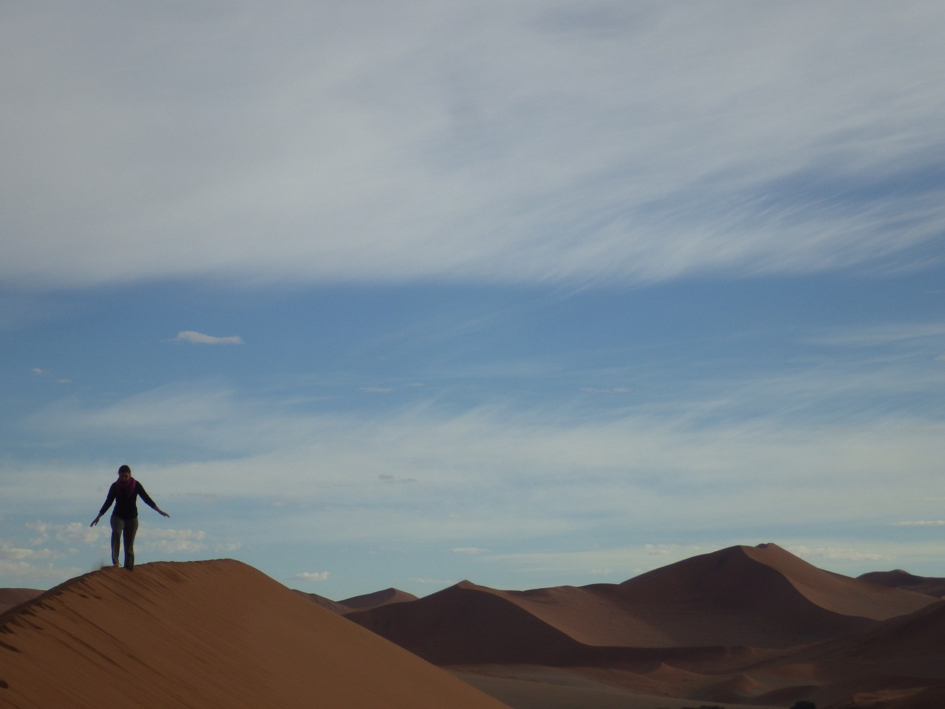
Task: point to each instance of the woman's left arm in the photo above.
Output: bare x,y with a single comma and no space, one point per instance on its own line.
151,503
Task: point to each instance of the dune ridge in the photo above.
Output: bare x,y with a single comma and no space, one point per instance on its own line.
368,601
743,625
760,597
205,634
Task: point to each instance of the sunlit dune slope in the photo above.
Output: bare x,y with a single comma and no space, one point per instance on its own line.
761,597
205,634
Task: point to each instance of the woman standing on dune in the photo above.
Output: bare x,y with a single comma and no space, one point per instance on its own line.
124,493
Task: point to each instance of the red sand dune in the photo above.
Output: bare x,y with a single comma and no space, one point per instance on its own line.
205,634
359,603
906,581
744,625
750,597
10,597
377,599
325,603
894,659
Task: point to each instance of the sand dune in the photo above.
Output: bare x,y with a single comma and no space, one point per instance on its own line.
358,603
900,657
744,625
10,597
205,634
326,603
757,597
906,581
377,599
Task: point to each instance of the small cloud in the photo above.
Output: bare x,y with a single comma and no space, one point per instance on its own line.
391,479
77,532
170,541
198,338
24,569
468,550
921,523
312,576
39,372
377,390
63,381
11,553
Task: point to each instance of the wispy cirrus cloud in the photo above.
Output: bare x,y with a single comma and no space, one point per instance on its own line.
510,142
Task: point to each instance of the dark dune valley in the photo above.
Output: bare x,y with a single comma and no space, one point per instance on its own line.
740,627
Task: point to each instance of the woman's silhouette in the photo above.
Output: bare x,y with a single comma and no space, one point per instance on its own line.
124,492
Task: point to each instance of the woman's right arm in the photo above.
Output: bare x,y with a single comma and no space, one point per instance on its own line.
108,503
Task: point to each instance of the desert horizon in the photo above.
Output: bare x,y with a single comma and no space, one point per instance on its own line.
455,355
745,626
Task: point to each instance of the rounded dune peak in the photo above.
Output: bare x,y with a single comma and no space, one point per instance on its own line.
215,634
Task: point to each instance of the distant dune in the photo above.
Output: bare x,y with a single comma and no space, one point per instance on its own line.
214,634
906,581
367,601
762,598
10,597
746,625
377,599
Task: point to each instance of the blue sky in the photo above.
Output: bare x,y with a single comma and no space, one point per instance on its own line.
530,293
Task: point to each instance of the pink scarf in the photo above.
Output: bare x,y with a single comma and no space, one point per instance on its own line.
126,488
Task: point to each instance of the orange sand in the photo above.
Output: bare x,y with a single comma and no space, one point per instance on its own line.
205,634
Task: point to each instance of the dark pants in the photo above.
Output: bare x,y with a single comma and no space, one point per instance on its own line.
124,528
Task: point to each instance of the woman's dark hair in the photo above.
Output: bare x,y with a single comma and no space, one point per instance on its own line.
124,469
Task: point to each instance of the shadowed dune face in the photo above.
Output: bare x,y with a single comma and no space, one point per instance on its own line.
464,624
912,646
10,597
908,582
739,597
744,625
205,634
377,599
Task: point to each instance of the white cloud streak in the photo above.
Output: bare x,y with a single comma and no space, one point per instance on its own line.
490,473
517,141
198,338
312,576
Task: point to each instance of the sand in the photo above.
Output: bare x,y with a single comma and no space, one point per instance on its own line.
205,634
744,625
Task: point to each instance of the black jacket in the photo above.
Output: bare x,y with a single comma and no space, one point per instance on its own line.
126,507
